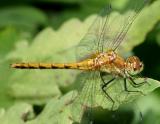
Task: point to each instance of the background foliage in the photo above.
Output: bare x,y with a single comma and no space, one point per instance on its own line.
47,31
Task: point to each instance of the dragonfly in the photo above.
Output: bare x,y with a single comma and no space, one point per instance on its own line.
98,52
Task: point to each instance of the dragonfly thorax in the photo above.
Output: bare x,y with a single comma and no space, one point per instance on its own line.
105,58
133,65
110,62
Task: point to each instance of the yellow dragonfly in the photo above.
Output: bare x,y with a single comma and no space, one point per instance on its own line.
98,50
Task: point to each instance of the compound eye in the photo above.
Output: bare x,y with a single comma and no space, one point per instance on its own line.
140,64
134,69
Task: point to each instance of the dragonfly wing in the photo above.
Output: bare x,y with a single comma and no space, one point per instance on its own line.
90,95
108,30
91,43
85,99
119,24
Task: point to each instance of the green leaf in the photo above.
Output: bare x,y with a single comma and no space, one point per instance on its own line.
27,86
150,110
17,114
57,111
91,94
23,17
158,38
8,37
60,1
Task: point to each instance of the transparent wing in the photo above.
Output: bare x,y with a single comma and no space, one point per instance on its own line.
108,30
91,43
86,94
121,24
90,95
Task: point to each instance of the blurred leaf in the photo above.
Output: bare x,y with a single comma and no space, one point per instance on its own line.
60,1
33,87
5,73
16,114
150,110
84,9
23,86
8,37
57,111
158,38
22,17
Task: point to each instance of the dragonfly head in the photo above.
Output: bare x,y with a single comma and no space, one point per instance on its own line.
133,65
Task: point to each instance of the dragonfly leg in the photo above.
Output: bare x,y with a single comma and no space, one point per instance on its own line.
103,86
136,85
126,88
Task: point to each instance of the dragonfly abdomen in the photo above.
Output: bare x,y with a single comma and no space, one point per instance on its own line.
35,66
81,65
42,66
